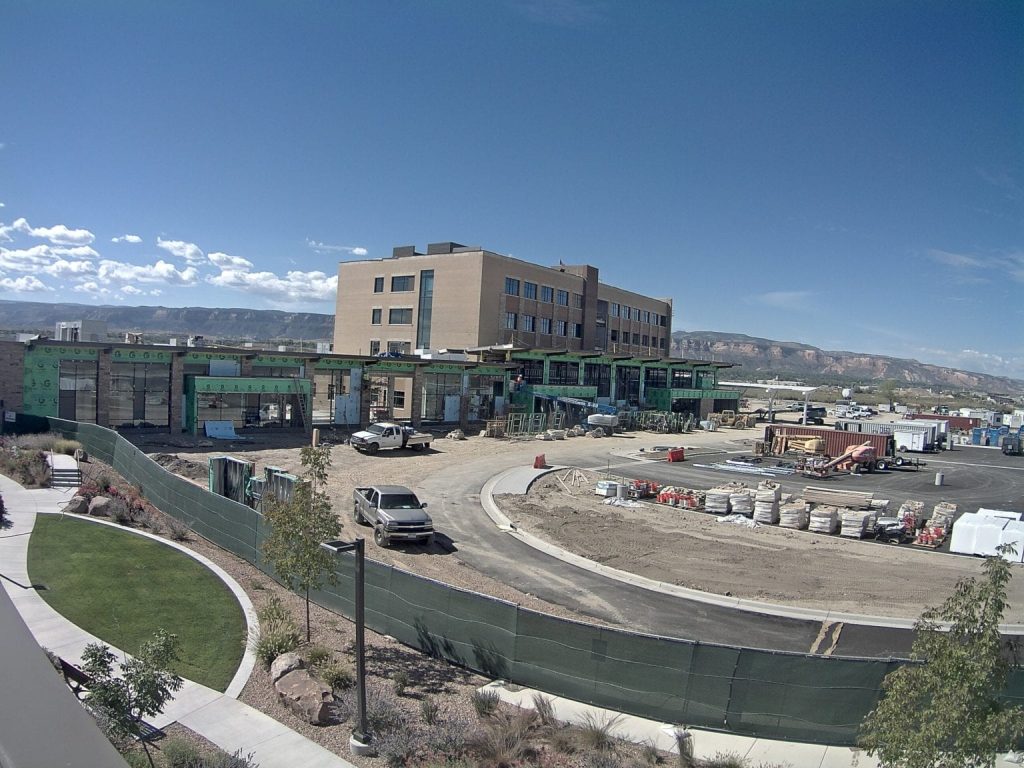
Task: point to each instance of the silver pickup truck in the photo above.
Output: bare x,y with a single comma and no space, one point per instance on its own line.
395,514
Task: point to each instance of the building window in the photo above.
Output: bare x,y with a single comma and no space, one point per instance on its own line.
560,327
636,339
375,316
533,371
398,398
577,300
529,290
654,318
426,309
378,285
656,377
511,286
529,323
613,309
511,320
647,317
402,283
401,347
400,316
374,347
563,298
682,379
661,343
140,394
645,340
547,294
577,330
664,321
613,335
627,313
545,325
564,373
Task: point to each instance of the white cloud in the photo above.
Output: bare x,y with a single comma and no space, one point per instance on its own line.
61,268
131,290
784,299
58,234
161,272
23,284
46,258
294,286
226,261
190,252
126,239
90,287
319,247
958,260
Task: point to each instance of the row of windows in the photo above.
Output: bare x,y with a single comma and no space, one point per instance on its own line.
399,284
400,347
543,325
548,295
636,339
395,316
635,313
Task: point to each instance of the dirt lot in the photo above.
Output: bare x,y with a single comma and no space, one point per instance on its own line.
778,565
680,547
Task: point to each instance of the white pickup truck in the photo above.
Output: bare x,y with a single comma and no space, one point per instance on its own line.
386,434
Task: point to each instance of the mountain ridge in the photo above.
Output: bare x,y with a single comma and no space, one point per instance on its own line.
791,359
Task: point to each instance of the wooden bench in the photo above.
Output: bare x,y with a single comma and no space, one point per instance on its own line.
77,680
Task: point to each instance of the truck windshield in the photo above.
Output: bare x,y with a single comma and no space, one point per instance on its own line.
375,429
399,501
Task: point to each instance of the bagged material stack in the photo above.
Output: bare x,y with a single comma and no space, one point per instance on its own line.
742,503
793,516
823,519
880,507
856,523
766,503
716,501
914,509
942,515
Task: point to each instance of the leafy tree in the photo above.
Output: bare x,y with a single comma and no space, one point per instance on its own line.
887,389
299,526
945,711
144,686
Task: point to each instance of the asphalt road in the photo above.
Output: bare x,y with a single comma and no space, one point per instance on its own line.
974,477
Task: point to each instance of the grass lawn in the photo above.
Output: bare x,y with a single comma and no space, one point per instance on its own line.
122,587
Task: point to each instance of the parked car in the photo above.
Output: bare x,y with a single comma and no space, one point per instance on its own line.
395,513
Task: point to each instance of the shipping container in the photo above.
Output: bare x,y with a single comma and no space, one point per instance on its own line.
836,441
963,423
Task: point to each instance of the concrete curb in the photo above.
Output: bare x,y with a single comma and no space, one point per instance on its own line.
503,523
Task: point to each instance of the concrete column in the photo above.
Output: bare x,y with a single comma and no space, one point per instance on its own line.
364,397
416,408
103,389
177,390
245,366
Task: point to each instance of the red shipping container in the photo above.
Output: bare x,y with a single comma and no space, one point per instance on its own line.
836,441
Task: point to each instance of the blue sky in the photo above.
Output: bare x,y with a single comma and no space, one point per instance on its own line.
844,174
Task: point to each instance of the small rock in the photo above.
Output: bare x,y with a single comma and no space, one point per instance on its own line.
285,663
77,505
99,506
308,698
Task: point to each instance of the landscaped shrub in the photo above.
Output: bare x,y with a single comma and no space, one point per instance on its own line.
3,513
399,682
545,710
177,530
318,655
383,713
448,735
429,710
595,732
337,675
179,753
398,746
503,741
485,702
278,632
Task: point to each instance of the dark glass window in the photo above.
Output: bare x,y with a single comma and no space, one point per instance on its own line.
400,316
402,283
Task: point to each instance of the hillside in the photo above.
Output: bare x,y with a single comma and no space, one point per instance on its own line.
215,324
790,359
760,358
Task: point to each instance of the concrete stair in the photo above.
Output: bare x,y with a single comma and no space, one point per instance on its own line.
65,478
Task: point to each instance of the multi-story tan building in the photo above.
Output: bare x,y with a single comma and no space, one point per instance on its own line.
459,297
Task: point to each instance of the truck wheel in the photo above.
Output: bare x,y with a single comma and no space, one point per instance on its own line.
357,515
882,465
900,461
417,446
372,448
379,537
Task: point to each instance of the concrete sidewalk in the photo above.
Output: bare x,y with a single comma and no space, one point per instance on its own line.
227,722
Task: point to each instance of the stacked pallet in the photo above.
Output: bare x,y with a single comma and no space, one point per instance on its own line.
856,523
823,519
837,498
741,502
766,502
880,507
942,515
716,501
913,510
793,515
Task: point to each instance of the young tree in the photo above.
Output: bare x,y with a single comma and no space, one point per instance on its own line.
945,710
144,686
299,526
887,389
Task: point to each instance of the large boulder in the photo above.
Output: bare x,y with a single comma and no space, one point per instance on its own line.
100,506
285,663
308,698
77,505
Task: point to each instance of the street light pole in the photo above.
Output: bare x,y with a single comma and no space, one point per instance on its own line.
359,743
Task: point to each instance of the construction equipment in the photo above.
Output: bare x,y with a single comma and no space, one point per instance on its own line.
854,459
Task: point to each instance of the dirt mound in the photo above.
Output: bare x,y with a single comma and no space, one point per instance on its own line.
179,466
